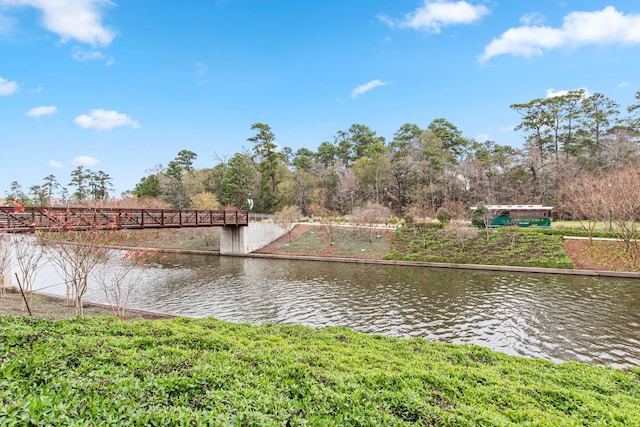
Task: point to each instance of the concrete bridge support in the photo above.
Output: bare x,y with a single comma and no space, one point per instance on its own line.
244,240
6,260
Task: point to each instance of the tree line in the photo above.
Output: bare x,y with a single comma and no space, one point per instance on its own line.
87,185
420,170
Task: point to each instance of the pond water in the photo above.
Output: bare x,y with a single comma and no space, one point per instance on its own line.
554,317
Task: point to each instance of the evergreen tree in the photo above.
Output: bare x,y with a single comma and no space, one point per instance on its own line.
268,160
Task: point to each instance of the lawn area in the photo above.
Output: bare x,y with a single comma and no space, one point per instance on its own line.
333,241
104,371
199,239
598,226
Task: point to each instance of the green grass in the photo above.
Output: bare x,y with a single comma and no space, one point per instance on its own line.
360,242
204,239
598,226
181,372
504,246
307,242
206,372
340,242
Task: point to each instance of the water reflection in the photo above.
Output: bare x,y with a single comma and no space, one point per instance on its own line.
559,318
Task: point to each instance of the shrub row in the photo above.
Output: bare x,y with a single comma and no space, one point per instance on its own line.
569,231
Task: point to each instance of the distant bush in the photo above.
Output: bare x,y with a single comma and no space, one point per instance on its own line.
481,216
443,215
429,224
570,231
408,219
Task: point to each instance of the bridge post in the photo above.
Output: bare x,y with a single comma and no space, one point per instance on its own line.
232,241
6,258
244,240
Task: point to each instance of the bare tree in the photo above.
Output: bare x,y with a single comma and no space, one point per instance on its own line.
481,217
586,197
5,264
624,201
327,218
121,273
287,218
618,148
77,254
460,232
28,253
610,197
347,190
368,218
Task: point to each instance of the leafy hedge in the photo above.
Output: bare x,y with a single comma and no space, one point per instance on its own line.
206,372
504,246
570,231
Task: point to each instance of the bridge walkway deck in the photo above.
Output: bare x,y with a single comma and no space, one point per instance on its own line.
29,219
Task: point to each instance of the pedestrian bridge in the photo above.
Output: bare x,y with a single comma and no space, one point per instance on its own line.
237,236
30,219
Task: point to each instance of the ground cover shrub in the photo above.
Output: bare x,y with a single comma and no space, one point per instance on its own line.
569,231
505,246
443,215
104,371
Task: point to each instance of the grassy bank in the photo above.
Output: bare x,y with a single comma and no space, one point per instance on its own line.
52,307
199,239
335,241
104,371
464,245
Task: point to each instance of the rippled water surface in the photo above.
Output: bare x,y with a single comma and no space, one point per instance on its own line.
557,318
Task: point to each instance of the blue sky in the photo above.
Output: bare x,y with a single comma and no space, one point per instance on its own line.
123,86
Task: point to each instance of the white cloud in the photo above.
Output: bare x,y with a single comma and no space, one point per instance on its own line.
606,26
79,20
82,55
105,120
436,14
41,111
54,164
483,137
624,84
85,161
367,87
532,19
7,87
551,93
86,55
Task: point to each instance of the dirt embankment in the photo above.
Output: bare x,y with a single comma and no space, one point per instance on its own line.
341,241
602,255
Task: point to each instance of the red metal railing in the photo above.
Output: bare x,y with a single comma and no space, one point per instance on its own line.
21,219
